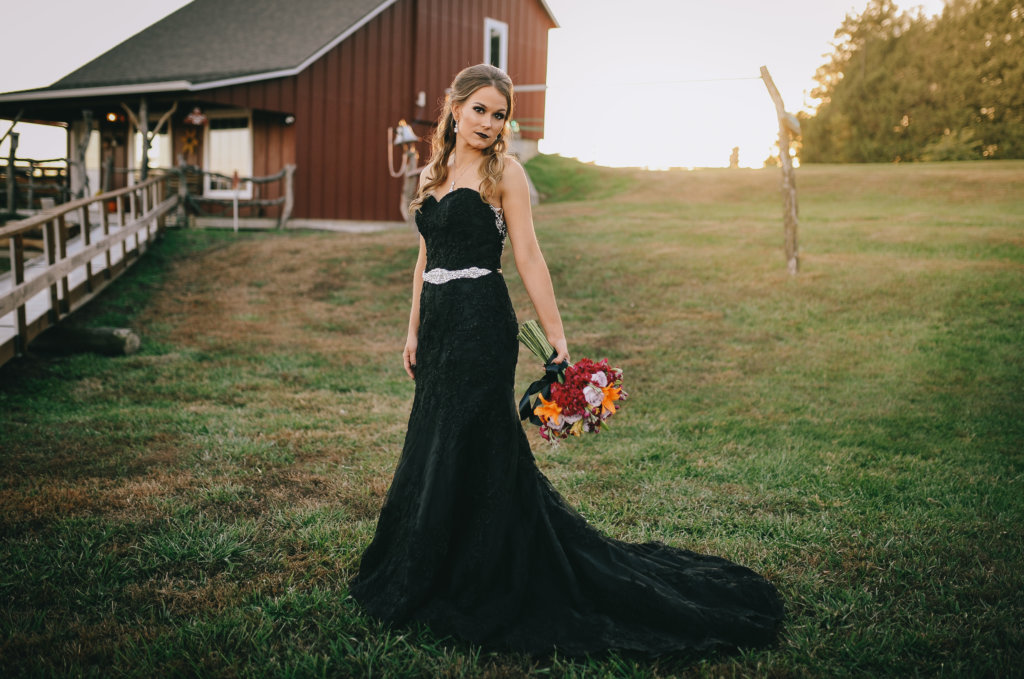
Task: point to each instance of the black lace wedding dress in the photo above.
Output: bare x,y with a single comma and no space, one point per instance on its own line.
474,541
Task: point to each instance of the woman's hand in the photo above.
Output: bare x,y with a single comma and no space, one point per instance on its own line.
409,356
561,347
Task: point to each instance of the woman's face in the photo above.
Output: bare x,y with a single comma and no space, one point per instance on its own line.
481,117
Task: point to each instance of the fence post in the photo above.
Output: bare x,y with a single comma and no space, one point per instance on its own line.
86,229
105,222
160,195
289,195
18,265
145,200
121,225
50,238
62,253
789,214
182,197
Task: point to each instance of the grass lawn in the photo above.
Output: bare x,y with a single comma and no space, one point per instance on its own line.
855,433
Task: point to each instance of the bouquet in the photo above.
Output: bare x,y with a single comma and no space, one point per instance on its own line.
571,398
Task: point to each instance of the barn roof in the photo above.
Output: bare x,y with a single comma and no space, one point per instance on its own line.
213,43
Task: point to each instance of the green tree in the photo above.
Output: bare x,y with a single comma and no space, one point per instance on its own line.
900,87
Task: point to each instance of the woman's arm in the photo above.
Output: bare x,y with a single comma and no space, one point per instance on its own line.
411,341
409,353
515,202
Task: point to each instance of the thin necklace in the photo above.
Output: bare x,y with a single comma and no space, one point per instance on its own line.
454,165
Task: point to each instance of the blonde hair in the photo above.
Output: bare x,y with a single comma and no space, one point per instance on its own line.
468,81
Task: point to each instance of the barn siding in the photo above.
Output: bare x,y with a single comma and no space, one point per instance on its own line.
458,26
345,101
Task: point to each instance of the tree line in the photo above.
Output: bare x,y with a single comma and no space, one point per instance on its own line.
904,87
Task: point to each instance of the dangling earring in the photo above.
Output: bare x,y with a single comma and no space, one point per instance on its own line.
456,127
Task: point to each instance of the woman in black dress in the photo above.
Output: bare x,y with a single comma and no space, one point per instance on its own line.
472,538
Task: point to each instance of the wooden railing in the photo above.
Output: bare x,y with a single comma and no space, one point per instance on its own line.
24,183
79,258
286,199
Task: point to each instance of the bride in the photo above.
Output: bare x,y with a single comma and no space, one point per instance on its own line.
472,538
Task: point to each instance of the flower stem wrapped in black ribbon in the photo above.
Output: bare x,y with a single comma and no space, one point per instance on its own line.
571,399
531,335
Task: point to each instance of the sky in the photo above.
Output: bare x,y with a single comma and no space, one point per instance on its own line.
648,83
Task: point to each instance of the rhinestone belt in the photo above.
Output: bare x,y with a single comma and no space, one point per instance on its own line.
439,276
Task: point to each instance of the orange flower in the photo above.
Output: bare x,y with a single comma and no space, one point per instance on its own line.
611,395
548,411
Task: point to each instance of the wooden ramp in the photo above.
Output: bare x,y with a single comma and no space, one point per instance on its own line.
85,248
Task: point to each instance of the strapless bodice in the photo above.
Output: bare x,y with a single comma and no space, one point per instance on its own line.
462,231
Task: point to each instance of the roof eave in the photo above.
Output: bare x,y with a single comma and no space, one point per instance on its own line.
550,14
188,86
185,85
104,91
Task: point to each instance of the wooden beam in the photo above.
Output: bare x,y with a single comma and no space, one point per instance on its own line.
11,128
72,340
163,119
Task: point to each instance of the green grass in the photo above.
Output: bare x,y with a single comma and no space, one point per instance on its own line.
560,179
855,433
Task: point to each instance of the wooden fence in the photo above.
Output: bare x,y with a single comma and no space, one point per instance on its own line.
25,184
286,199
85,245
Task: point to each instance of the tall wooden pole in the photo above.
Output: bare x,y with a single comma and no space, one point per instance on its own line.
11,176
788,125
144,133
78,162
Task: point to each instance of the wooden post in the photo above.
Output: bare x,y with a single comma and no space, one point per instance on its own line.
132,212
12,207
289,195
144,133
18,265
787,125
182,196
87,241
105,222
13,123
65,340
121,225
31,184
234,188
62,253
79,160
50,242
108,171
158,189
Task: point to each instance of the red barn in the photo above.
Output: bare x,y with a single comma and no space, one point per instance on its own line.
258,84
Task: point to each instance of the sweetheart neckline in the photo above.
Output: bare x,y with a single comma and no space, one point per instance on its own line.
460,188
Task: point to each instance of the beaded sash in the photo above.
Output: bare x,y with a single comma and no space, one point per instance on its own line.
439,276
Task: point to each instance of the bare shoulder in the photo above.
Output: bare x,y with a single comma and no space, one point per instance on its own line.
513,180
513,165
426,174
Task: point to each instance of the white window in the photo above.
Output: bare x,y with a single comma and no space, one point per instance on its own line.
159,148
227,150
496,43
